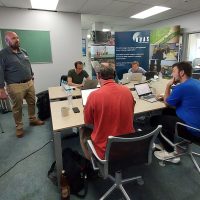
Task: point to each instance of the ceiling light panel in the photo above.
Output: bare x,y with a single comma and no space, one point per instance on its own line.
44,4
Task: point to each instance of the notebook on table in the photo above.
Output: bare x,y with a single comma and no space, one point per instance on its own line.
144,92
85,94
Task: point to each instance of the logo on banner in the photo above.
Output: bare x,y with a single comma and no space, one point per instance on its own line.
137,37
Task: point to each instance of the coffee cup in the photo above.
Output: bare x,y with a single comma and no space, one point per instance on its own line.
65,111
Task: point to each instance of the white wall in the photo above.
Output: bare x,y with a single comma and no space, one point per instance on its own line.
65,36
189,23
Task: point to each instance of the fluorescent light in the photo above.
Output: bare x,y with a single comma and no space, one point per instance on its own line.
88,36
105,29
44,4
150,12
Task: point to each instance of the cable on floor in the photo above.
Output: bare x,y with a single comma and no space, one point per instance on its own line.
26,157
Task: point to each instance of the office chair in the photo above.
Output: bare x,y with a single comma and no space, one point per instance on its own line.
196,62
150,74
196,76
184,147
123,152
63,78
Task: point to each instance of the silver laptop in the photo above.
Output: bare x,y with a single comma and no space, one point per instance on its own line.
90,84
126,78
144,92
85,94
136,77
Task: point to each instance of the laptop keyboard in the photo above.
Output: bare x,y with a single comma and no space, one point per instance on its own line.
149,96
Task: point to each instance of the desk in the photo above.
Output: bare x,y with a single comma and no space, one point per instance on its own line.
58,92
60,123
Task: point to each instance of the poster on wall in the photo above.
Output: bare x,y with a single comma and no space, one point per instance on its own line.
131,46
83,47
164,47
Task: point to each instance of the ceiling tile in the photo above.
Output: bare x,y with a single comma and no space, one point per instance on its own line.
17,3
70,5
95,6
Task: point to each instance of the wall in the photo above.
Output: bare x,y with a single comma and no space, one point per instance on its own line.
65,35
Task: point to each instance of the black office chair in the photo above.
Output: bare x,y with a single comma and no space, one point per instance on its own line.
184,146
150,74
196,75
63,78
122,152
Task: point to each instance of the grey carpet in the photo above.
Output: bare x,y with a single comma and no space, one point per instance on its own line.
28,179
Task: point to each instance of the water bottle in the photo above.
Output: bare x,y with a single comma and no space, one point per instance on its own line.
65,188
160,75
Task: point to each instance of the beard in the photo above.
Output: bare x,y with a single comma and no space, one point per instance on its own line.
15,46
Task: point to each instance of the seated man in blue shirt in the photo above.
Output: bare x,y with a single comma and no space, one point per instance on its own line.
185,98
135,68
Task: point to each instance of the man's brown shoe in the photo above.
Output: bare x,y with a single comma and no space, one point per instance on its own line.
36,122
20,133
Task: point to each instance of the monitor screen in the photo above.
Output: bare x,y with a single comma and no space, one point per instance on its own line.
142,89
85,94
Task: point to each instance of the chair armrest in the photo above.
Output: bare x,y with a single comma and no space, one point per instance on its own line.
93,151
187,126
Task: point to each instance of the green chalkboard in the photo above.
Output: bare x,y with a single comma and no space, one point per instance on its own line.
36,43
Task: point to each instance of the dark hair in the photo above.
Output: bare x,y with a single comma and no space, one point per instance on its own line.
77,63
184,66
135,62
106,72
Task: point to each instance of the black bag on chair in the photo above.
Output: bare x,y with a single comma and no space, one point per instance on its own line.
43,105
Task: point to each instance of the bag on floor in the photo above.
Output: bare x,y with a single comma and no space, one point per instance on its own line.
77,170
43,105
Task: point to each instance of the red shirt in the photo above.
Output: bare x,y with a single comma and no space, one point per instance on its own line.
110,109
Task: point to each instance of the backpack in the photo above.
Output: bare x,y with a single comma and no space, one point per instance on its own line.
77,170
43,105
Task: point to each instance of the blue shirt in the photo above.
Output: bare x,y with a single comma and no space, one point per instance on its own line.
186,98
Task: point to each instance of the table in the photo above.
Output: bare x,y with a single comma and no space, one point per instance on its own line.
58,93
60,123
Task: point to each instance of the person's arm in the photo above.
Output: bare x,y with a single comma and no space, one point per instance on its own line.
143,71
88,111
168,89
174,97
88,78
86,75
70,83
3,94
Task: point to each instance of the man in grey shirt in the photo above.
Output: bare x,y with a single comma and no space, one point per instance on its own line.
136,69
16,72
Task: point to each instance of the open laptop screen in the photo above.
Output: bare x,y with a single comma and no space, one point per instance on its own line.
142,89
85,94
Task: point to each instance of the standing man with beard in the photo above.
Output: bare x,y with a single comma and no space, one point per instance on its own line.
16,72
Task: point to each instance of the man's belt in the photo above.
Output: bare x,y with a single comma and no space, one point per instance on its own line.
24,81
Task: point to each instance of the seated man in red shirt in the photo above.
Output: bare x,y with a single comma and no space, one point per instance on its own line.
109,110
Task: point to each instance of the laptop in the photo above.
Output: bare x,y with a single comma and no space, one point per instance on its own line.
85,94
136,77
144,92
126,78
89,84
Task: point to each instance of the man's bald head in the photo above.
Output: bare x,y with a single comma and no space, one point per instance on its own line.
12,40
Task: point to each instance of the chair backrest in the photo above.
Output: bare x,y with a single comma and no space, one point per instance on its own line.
196,75
127,150
63,78
150,74
196,62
